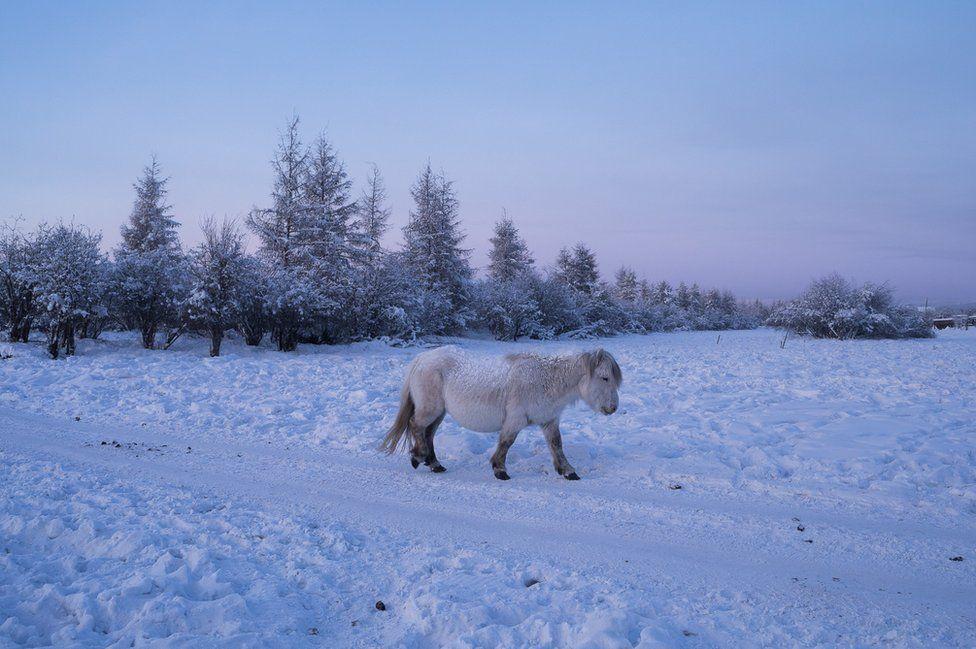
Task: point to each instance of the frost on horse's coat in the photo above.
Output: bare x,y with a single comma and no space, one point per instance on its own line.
503,395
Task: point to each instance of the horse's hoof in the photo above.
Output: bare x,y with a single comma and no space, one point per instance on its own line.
414,462
438,468
572,476
501,475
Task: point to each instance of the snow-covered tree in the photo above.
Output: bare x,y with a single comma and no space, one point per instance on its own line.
577,269
433,252
682,296
70,278
217,269
508,257
279,226
294,297
149,279
832,307
333,243
18,258
372,216
253,316
558,313
644,292
662,293
626,286
510,309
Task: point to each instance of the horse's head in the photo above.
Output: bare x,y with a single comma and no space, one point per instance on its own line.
600,382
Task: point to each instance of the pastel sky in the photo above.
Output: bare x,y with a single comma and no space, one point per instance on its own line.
749,146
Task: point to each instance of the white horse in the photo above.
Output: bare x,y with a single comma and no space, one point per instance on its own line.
499,395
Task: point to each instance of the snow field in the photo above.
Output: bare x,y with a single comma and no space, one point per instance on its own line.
240,501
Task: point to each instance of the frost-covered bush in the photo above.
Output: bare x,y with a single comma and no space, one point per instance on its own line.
18,258
70,273
509,309
558,311
217,272
832,307
253,318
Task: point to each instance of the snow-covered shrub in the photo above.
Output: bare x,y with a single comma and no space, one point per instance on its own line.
507,302
18,258
70,276
558,311
217,271
603,315
253,318
832,307
508,309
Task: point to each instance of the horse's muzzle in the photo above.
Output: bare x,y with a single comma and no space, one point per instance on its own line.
610,410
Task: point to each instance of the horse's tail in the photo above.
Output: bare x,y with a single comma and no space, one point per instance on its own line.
402,422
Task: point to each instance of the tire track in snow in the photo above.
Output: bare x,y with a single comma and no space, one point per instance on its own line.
676,546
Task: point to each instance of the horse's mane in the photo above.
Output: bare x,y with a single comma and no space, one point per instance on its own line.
597,357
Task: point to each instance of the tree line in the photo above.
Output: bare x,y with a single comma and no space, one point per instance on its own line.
321,273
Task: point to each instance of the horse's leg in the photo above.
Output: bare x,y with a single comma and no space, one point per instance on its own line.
431,460
555,440
422,418
506,438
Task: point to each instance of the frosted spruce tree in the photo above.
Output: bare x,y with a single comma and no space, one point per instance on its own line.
433,252
505,301
577,269
150,276
70,273
294,297
372,217
333,242
626,287
217,270
383,291
662,293
508,257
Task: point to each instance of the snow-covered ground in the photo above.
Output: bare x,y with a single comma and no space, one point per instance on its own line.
171,499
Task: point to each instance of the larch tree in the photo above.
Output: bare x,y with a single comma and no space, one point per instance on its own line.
279,226
372,216
332,242
577,268
149,280
626,287
433,252
293,291
508,257
662,294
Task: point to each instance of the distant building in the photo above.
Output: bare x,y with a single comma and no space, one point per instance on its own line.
957,321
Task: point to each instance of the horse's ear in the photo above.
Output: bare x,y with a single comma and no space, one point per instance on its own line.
589,362
593,359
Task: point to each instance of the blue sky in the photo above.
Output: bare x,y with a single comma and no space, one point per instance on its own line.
750,146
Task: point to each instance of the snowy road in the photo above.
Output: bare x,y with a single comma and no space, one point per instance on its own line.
179,534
